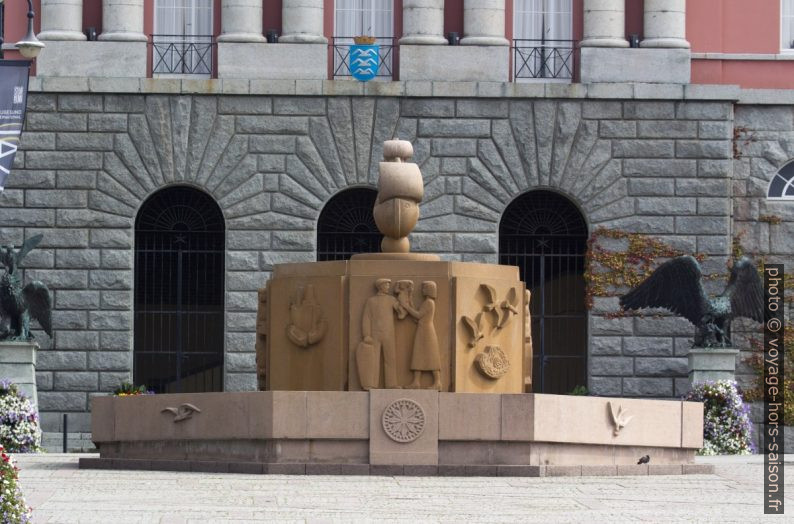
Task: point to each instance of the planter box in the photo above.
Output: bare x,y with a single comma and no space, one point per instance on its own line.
712,364
18,364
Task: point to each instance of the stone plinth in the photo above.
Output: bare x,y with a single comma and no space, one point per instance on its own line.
454,63
278,430
712,364
93,59
653,66
272,61
317,315
18,365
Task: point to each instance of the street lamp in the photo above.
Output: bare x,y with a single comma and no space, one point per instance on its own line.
29,46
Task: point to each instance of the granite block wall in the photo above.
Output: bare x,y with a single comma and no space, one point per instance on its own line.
88,161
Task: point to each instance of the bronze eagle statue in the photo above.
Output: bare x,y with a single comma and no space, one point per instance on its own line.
677,286
17,303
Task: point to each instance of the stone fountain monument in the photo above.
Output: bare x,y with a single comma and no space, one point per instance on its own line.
395,363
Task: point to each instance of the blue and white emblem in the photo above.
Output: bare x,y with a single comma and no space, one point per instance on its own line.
364,61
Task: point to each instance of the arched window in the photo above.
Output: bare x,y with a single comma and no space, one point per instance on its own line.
782,185
179,277
346,225
545,235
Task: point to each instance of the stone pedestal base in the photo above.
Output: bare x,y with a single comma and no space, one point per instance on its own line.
395,432
712,364
454,63
93,59
273,61
18,364
654,66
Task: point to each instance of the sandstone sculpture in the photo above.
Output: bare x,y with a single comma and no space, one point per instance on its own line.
400,189
307,324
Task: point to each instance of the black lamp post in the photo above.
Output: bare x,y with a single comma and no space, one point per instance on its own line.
29,46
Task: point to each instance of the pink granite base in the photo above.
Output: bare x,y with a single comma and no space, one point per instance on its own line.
445,434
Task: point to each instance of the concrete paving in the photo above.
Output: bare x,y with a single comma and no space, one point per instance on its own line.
59,492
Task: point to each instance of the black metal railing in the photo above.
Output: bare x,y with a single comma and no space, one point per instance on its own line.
183,54
341,56
553,59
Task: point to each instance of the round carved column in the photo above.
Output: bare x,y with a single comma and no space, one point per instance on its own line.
665,24
122,20
241,21
61,20
302,22
604,23
484,22
423,22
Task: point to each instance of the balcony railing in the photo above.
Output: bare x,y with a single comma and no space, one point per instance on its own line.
544,59
341,56
183,55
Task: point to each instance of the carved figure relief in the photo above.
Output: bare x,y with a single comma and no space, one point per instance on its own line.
400,189
183,412
492,362
403,420
307,324
527,339
425,356
377,329
619,419
261,340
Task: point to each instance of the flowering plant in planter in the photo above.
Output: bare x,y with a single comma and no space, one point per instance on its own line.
19,421
726,418
128,390
12,504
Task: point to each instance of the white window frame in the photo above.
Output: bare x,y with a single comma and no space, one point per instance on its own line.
521,8
383,39
190,21
786,29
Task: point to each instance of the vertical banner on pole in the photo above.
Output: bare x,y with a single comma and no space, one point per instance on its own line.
13,100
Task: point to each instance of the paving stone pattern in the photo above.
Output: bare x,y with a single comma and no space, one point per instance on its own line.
271,162
59,492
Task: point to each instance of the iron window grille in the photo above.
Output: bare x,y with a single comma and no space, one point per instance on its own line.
179,292
549,59
341,56
346,225
545,235
183,54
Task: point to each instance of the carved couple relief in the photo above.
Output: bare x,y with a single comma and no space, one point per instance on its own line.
379,338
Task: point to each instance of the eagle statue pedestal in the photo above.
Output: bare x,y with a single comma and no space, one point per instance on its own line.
18,365
710,364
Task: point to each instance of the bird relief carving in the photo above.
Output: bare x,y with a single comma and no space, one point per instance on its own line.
501,312
307,324
183,412
620,419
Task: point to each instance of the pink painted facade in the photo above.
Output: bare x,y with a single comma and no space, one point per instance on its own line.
730,32
733,41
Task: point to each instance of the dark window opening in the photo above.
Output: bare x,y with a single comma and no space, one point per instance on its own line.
545,235
346,225
179,292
